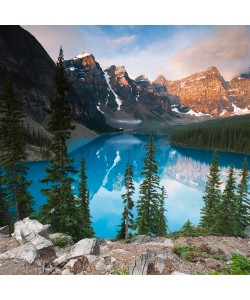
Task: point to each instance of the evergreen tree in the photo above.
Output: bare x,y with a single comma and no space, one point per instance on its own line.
148,203
243,211
226,217
13,154
212,196
127,216
61,209
87,230
162,228
4,210
187,228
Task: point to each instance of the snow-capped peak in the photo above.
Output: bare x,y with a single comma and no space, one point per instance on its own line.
81,55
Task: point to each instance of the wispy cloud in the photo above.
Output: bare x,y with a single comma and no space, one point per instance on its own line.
228,48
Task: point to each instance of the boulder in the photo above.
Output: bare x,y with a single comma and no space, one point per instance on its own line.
178,273
85,247
44,247
159,265
59,235
140,239
168,243
25,252
34,225
101,265
77,265
5,230
140,265
214,249
67,272
247,231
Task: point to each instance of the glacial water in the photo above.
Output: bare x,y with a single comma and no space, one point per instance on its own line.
183,172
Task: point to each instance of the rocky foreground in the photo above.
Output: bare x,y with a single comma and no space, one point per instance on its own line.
31,250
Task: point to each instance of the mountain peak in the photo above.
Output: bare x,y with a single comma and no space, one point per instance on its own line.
81,55
160,80
142,77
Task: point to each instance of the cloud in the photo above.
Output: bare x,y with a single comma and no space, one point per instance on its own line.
226,48
124,40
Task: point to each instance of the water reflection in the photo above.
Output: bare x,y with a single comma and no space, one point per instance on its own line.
183,172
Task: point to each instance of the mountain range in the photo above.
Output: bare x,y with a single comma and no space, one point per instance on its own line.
109,100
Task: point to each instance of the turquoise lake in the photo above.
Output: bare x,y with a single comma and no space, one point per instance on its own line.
183,172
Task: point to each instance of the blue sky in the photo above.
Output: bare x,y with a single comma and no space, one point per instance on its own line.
175,51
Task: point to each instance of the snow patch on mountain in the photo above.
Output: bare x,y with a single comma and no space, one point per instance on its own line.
118,101
81,55
240,111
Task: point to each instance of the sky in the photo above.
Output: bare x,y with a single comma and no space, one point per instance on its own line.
176,51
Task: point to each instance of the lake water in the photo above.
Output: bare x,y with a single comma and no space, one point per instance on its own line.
183,172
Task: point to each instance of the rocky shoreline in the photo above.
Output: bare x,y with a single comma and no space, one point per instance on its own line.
31,249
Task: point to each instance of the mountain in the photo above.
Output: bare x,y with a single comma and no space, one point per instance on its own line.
31,68
207,93
112,95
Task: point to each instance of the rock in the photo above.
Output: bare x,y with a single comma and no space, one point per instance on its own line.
178,273
168,243
91,258
44,247
5,230
140,266
214,249
159,265
247,231
59,261
75,266
45,231
101,265
67,272
105,248
25,252
34,225
140,239
85,247
113,259
62,236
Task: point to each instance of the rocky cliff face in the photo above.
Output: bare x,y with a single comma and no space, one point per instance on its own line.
205,92
112,94
239,91
31,68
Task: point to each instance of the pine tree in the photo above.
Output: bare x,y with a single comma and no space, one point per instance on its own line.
187,228
127,216
4,210
148,203
13,155
243,210
162,228
212,196
226,217
87,230
61,209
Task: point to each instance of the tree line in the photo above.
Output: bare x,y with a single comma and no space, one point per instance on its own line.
228,135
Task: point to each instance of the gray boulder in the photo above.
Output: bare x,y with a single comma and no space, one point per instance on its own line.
44,247
168,243
140,265
85,247
5,231
26,252
59,235
247,231
141,239
34,225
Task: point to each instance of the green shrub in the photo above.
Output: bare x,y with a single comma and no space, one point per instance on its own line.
60,242
185,252
239,265
124,271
